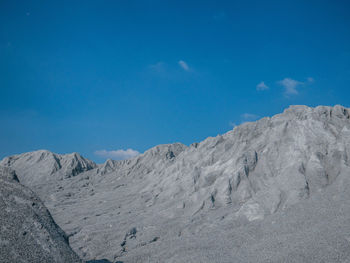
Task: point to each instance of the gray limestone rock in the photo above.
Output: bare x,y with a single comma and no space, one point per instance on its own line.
274,190
27,231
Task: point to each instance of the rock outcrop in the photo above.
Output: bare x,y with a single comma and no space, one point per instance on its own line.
27,231
210,194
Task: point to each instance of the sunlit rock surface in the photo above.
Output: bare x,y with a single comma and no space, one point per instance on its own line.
274,190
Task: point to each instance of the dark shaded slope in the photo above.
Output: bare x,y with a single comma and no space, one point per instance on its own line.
27,231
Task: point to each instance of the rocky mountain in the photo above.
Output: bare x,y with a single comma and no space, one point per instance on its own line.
268,191
28,232
39,169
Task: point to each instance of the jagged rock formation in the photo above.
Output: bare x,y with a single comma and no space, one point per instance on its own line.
211,194
39,169
27,230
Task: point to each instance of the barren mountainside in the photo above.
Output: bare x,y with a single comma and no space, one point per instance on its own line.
27,231
254,194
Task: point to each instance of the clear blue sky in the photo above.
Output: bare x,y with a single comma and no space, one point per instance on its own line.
87,76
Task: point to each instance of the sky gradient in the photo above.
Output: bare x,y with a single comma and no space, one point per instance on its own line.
102,77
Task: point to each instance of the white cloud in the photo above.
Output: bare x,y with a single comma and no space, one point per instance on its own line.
117,154
290,86
158,67
262,86
249,116
184,65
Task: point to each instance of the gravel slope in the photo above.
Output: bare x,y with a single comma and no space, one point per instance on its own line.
268,191
27,231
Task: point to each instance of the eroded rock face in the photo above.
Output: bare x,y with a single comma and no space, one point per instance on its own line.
39,169
27,231
173,193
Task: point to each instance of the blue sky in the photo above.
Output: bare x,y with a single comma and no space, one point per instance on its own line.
101,77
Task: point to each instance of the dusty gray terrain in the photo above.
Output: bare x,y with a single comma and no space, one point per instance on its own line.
275,190
27,230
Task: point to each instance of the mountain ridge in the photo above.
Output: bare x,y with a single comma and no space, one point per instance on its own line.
241,177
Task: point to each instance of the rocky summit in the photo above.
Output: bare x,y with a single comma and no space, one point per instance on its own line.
274,190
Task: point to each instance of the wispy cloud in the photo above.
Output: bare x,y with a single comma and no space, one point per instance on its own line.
310,80
262,86
219,16
158,67
232,124
249,116
184,65
117,154
245,117
290,86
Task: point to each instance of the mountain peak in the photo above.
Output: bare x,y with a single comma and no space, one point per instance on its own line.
32,167
248,174
167,151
